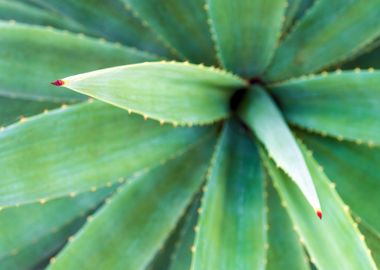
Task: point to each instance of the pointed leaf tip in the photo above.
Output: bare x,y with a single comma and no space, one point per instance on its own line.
58,83
319,214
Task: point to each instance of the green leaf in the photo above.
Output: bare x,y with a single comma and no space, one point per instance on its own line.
246,33
108,19
31,256
328,34
344,105
27,224
261,114
15,109
368,60
181,258
55,154
373,241
355,171
285,250
333,242
293,6
180,23
128,231
27,13
26,71
232,233
179,93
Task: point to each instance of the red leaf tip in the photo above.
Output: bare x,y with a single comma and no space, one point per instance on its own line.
58,83
319,214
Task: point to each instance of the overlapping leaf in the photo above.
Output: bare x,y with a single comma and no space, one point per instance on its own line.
232,206
55,154
168,92
328,34
246,33
334,242
26,71
150,205
345,105
110,20
260,113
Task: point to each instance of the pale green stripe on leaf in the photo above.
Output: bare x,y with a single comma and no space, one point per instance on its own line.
25,225
27,13
181,23
26,71
333,242
129,230
55,154
355,171
343,104
328,34
108,19
246,33
285,249
179,93
232,223
261,114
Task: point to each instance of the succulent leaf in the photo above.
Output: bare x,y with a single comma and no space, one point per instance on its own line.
344,104
178,93
182,23
233,204
260,113
285,251
109,20
27,13
328,34
333,243
150,211
351,166
246,33
50,55
54,154
22,227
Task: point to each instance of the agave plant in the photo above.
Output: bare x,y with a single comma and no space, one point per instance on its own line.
201,134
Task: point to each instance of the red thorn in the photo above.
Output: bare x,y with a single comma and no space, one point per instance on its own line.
58,83
319,214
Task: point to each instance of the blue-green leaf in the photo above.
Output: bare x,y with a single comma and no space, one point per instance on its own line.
343,104
232,224
128,231
261,114
246,33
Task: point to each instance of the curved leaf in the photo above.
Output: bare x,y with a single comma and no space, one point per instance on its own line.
334,242
15,109
27,13
34,255
181,23
355,170
108,19
373,241
344,105
169,92
25,225
246,33
128,231
55,154
26,71
232,206
328,34
285,250
260,113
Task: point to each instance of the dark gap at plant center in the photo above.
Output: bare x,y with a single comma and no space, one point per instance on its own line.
238,96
